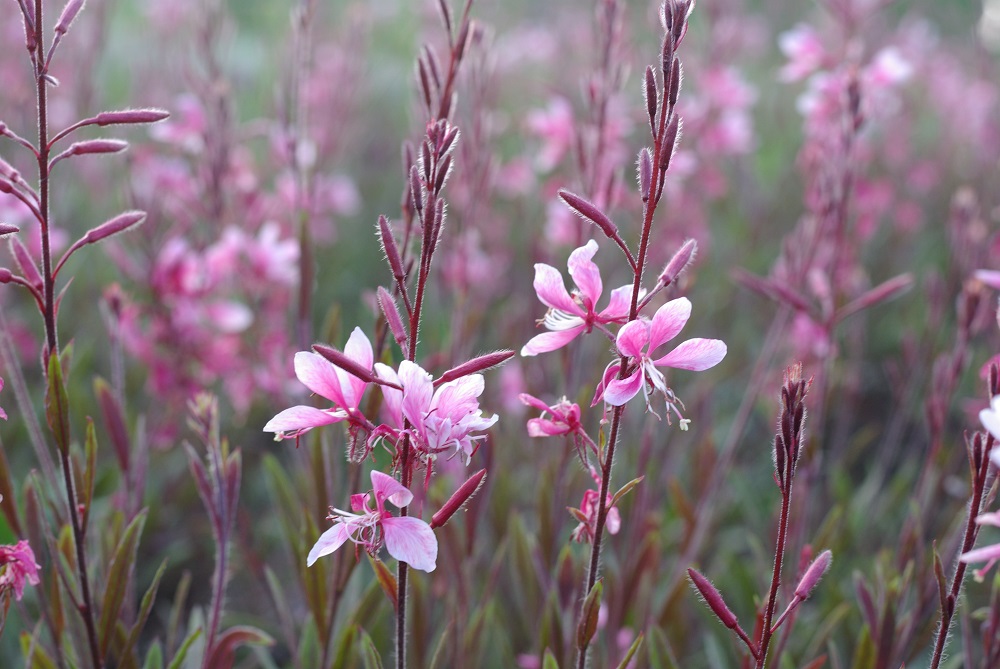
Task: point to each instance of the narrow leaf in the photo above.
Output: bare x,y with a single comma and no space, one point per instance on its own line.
119,574
386,579
57,404
630,653
144,609
588,620
224,653
369,653
549,660
90,471
625,489
178,660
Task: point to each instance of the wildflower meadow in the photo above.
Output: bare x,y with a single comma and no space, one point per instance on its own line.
452,334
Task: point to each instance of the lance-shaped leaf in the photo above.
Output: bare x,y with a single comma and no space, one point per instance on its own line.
57,404
888,290
8,505
549,660
223,655
182,652
114,422
145,607
386,579
624,490
369,652
587,626
630,653
90,472
119,574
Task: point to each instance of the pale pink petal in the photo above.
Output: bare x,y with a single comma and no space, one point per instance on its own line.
358,349
610,373
550,341
412,541
386,487
695,355
982,554
543,427
633,337
418,389
525,398
585,273
988,276
459,397
301,418
990,418
328,542
614,520
668,321
618,305
392,399
552,291
319,376
991,518
621,391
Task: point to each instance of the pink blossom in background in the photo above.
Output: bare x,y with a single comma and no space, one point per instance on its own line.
640,338
555,127
406,538
804,50
330,382
571,315
17,567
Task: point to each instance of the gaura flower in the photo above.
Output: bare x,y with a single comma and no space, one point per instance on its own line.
987,554
439,419
565,417
17,567
639,339
407,539
327,380
587,513
570,315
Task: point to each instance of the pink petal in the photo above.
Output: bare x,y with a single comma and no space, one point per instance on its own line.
328,542
610,373
982,554
358,349
618,305
319,376
621,391
386,487
543,427
990,277
552,291
459,397
298,419
695,355
585,273
418,389
412,541
991,518
550,341
668,321
533,402
614,520
392,399
633,337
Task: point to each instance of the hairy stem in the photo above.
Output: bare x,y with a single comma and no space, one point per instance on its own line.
779,554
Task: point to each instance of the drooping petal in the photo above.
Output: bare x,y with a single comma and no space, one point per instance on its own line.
319,376
533,402
621,391
328,542
418,389
299,419
392,404
668,321
610,373
618,305
633,337
694,355
585,273
550,341
614,520
982,554
386,487
552,291
543,427
358,349
412,541
990,518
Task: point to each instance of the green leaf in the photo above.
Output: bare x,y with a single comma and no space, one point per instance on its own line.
386,579
588,618
864,653
549,660
57,404
340,660
8,505
178,660
122,566
154,658
440,652
90,472
660,652
223,654
309,652
632,650
369,653
144,609
35,656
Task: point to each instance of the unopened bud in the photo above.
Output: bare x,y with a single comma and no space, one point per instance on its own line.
390,248
129,116
7,229
813,574
589,211
350,366
392,317
652,97
25,262
475,365
97,146
69,13
679,262
5,275
645,173
119,223
458,499
713,598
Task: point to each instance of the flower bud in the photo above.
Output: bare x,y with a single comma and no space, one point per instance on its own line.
679,262
589,211
714,599
458,499
67,16
645,173
813,574
119,223
129,116
96,146
392,317
475,365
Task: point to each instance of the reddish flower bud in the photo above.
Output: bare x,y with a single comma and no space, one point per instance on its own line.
69,13
7,229
713,598
475,365
25,262
458,499
680,261
96,146
392,317
645,173
589,211
119,223
813,574
350,366
129,116
5,275
652,97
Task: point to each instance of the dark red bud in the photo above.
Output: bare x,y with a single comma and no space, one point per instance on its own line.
589,211
475,366
458,499
713,598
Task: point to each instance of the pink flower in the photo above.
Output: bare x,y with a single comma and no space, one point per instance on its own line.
565,417
569,316
640,338
804,50
988,554
327,380
17,566
587,513
439,419
407,539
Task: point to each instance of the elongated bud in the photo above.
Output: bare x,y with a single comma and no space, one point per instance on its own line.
341,360
131,116
391,250
888,290
652,97
24,261
6,187
713,598
676,74
96,146
67,16
392,316
645,168
416,189
685,254
475,365
119,223
5,275
813,574
589,211
670,142
458,499
444,170
7,229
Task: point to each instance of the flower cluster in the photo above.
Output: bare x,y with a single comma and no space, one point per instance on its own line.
17,567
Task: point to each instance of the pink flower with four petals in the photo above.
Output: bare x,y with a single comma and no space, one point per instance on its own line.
408,539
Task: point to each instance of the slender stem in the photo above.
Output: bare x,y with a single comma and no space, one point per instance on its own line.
218,594
779,554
